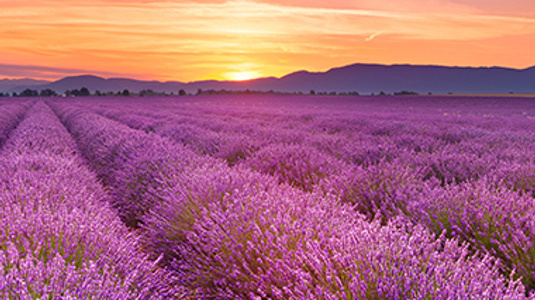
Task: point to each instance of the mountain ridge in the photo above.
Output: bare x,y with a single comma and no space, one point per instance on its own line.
359,77
8,84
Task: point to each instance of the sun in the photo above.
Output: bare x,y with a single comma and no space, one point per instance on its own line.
242,75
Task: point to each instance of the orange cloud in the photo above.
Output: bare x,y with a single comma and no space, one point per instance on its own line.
177,40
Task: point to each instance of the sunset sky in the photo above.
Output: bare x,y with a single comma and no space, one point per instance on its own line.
236,40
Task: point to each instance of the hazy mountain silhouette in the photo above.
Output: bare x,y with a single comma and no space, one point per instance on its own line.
94,83
8,84
362,78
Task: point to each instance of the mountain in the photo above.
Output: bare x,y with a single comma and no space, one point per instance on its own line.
8,84
372,78
94,83
362,78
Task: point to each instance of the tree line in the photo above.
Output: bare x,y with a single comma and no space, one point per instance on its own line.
85,92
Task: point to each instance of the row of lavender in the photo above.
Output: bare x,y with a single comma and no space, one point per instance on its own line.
468,171
60,238
231,232
11,113
452,149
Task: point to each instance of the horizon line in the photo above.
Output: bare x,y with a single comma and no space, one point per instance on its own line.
144,78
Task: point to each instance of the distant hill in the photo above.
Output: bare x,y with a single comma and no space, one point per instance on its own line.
8,84
94,83
362,78
422,79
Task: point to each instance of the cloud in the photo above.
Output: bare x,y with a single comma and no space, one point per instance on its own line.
189,40
371,37
44,72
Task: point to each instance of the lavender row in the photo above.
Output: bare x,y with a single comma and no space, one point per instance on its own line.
453,154
232,233
465,152
199,139
471,149
490,218
293,164
487,214
132,164
237,234
60,238
11,113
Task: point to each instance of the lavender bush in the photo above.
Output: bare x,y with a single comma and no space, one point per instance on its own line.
130,162
294,164
236,234
496,221
378,191
60,238
320,198
11,114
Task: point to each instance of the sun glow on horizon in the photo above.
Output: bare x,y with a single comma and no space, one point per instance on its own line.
245,39
242,75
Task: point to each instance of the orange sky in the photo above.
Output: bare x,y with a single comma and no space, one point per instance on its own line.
196,40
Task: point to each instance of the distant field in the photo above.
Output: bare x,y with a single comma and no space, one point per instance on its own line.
496,95
268,197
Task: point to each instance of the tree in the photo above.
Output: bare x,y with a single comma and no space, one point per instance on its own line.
403,93
182,92
312,92
126,93
73,93
47,93
84,92
146,93
29,93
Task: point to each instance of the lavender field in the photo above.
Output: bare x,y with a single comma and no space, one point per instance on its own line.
267,197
